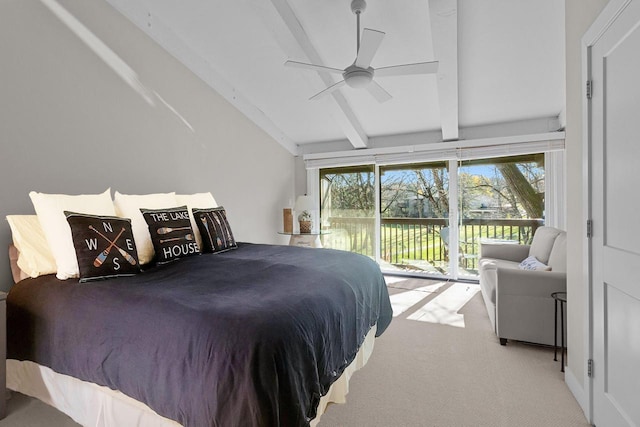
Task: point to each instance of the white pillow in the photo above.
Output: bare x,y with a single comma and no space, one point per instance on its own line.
532,263
129,205
50,209
35,257
198,201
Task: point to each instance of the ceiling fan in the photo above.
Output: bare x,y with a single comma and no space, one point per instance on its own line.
360,74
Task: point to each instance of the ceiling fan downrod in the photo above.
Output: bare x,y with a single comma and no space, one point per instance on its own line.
357,7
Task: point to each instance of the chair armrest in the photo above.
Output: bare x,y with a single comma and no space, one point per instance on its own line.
530,283
504,251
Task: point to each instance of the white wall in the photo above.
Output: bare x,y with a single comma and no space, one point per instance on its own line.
579,14
71,122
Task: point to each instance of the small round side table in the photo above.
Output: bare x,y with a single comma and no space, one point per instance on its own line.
309,240
559,297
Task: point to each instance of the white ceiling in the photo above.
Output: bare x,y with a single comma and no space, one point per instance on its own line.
500,61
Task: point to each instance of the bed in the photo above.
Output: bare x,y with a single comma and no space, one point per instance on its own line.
257,336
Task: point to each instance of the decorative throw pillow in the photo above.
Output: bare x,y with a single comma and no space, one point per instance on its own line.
50,209
215,229
104,245
171,233
532,263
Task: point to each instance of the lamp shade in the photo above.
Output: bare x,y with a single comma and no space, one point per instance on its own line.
304,203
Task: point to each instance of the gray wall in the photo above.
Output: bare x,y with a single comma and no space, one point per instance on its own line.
71,122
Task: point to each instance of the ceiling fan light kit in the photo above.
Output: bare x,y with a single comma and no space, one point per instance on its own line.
360,74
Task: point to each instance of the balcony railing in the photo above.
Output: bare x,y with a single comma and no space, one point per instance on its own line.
423,243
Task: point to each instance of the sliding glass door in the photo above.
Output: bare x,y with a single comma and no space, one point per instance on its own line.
414,212
500,200
347,208
430,218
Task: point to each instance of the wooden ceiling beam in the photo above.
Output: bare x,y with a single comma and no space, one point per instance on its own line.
444,26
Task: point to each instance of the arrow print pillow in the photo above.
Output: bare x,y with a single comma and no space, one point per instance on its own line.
104,246
215,229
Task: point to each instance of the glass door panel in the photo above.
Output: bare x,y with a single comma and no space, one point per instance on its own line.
414,211
500,200
347,208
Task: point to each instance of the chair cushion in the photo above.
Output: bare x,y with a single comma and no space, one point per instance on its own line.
558,256
543,243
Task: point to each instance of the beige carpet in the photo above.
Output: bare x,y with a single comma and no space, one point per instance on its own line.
424,374
428,374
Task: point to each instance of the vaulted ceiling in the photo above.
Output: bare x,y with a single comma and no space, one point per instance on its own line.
501,65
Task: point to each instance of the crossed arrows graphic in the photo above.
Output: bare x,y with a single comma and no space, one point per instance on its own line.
112,244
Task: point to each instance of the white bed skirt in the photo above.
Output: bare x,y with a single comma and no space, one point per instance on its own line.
92,405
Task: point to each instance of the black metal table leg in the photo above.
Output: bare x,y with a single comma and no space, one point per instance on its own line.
555,332
559,297
562,335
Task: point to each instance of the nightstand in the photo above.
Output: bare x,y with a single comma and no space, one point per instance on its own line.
308,240
3,354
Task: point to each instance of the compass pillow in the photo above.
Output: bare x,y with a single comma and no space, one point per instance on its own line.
215,230
104,246
171,233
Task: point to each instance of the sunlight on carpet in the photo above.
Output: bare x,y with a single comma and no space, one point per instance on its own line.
403,301
445,300
444,308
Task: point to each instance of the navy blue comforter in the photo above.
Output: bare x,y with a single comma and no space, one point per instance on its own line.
250,337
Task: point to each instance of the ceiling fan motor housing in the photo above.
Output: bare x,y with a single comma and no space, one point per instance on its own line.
357,77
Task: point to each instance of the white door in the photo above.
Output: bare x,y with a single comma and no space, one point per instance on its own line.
615,160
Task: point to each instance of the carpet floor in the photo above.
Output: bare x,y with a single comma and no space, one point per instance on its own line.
438,364
431,371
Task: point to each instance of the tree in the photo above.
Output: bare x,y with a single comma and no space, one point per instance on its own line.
436,189
515,188
353,192
392,191
523,190
512,187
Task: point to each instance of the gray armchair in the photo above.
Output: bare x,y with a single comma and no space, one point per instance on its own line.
519,302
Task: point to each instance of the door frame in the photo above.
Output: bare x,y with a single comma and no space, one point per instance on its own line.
604,20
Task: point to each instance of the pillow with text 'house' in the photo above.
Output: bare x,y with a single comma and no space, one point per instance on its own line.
104,246
171,233
215,230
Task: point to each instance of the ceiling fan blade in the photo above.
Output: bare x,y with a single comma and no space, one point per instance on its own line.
369,44
327,90
378,92
403,70
314,67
